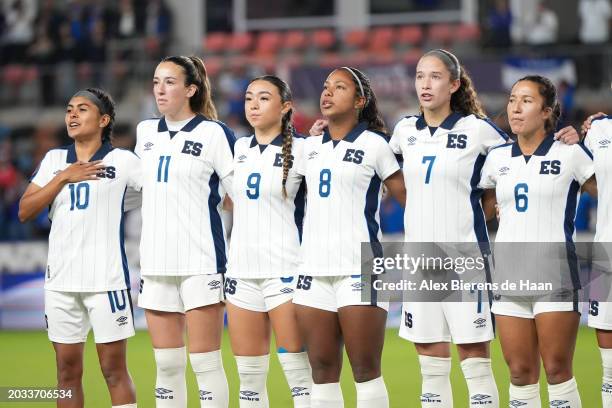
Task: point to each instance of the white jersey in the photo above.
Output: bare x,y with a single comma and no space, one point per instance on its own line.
599,143
537,195
86,252
441,173
182,230
344,192
267,227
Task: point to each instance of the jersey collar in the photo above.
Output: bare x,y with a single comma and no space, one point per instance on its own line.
542,149
351,136
99,155
277,141
448,123
162,126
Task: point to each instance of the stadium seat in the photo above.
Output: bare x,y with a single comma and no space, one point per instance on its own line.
213,65
240,42
324,39
411,35
215,42
440,34
355,39
331,59
466,33
268,42
294,40
381,39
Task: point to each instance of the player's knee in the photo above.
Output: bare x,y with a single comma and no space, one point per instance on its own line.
69,371
113,373
363,372
523,373
557,370
171,362
325,371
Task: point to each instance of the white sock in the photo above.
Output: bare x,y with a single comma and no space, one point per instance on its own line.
481,384
125,406
372,394
170,385
525,396
564,395
606,387
208,369
436,389
253,373
299,377
326,396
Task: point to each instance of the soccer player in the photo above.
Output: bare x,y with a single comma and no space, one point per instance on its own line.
344,170
269,203
443,151
598,140
186,157
537,182
87,281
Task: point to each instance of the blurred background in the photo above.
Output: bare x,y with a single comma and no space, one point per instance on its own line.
49,49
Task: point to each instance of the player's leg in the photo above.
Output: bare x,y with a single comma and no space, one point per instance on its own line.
111,317
557,332
67,328
363,330
166,323
519,342
249,329
202,296
424,324
290,349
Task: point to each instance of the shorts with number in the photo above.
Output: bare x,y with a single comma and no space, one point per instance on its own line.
435,322
600,315
70,316
527,307
180,293
259,295
333,292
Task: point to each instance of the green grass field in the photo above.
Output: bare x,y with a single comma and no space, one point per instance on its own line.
26,359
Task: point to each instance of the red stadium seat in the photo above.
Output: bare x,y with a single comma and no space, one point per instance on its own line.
240,42
215,42
268,42
355,39
213,65
410,35
324,38
466,33
381,39
294,40
331,59
412,56
440,33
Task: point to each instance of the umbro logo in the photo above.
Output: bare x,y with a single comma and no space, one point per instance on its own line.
559,403
357,286
503,170
286,290
607,388
411,140
241,158
122,321
214,284
249,395
312,154
604,143
299,391
517,403
206,395
148,146
429,397
481,399
163,393
480,322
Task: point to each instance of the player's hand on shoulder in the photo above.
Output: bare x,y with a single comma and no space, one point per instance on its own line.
567,135
586,125
318,127
82,171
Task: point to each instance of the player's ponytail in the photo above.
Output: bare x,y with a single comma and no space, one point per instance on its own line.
548,91
195,74
465,99
370,112
287,129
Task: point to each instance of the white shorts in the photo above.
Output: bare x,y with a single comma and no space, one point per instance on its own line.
437,322
528,307
180,293
600,315
259,295
70,315
333,292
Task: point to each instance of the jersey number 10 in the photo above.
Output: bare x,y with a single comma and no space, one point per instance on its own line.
79,196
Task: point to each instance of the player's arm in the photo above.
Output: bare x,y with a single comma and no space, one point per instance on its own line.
568,135
36,198
590,186
489,204
586,126
396,187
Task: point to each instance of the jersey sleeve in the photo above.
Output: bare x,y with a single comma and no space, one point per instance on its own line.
386,163
134,166
223,150
595,133
490,135
487,175
139,131
299,158
583,164
44,173
394,143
